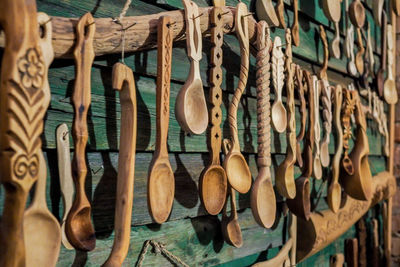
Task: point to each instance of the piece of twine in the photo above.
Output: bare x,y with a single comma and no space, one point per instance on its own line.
158,248
119,21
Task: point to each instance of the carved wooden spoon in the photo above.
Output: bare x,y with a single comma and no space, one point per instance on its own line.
213,180
78,226
389,87
66,182
317,167
295,25
380,76
333,12
191,108
161,181
377,7
230,225
266,11
235,164
303,114
280,11
263,201
278,113
123,81
357,17
349,44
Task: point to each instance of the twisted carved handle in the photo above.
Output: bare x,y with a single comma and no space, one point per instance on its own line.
303,115
348,109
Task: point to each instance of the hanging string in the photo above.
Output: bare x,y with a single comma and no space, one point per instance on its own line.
123,11
159,248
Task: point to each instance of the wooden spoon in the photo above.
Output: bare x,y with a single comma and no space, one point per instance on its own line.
389,87
278,113
384,122
326,103
371,58
280,11
235,164
317,167
213,180
333,12
335,190
295,25
351,252
377,8
284,178
66,182
303,114
349,44
23,81
161,181
265,10
396,7
380,76
360,53
347,112
191,108
78,226
263,201
123,81
39,222
357,17
230,225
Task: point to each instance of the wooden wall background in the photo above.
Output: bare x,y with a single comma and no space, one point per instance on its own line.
189,234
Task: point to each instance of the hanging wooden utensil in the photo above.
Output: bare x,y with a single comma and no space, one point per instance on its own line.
280,11
78,226
333,12
262,199
230,225
336,260
358,184
123,81
362,243
351,252
396,7
380,76
64,172
161,181
191,108
384,121
303,114
377,8
375,244
235,164
357,17
278,113
389,87
326,102
348,109
213,180
371,57
39,222
265,10
22,110
335,190
317,167
284,176
349,44
295,26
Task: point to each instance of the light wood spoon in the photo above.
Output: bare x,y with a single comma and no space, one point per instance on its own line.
284,176
389,87
377,7
124,82
335,190
357,17
78,226
191,108
295,26
213,180
262,199
235,164
317,167
278,113
280,11
380,76
333,12
303,114
265,10
230,225
161,181
66,182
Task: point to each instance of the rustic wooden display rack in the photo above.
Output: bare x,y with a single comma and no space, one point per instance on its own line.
323,226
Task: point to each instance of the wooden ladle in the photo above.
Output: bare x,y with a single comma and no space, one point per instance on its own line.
39,222
64,172
389,87
230,225
278,113
357,17
123,81
333,12
235,164
78,226
191,108
335,190
161,181
213,180
262,199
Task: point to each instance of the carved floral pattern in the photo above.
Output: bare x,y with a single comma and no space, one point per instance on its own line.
31,68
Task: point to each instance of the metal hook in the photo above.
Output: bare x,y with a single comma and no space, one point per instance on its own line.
130,26
197,16
250,14
65,134
90,24
44,23
222,14
95,172
170,24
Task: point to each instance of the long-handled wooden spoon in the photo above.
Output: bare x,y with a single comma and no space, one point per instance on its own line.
295,26
230,225
66,182
371,57
235,164
303,114
213,180
123,81
349,44
380,76
377,7
317,167
263,201
284,177
161,182
389,87
22,109
39,222
357,17
278,113
333,12
335,190
347,112
191,108
78,226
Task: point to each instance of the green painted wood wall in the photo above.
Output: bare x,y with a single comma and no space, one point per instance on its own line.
189,234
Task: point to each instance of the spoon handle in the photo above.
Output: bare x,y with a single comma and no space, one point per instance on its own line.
391,56
263,91
295,25
335,44
193,30
309,144
22,111
338,93
361,51
317,127
278,81
371,57
303,114
280,12
217,39
242,33
347,111
124,82
322,73
164,61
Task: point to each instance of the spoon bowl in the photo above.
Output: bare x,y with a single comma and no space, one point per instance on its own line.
389,91
238,172
334,196
360,61
317,168
230,224
325,154
213,188
301,205
79,228
357,13
279,117
161,190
